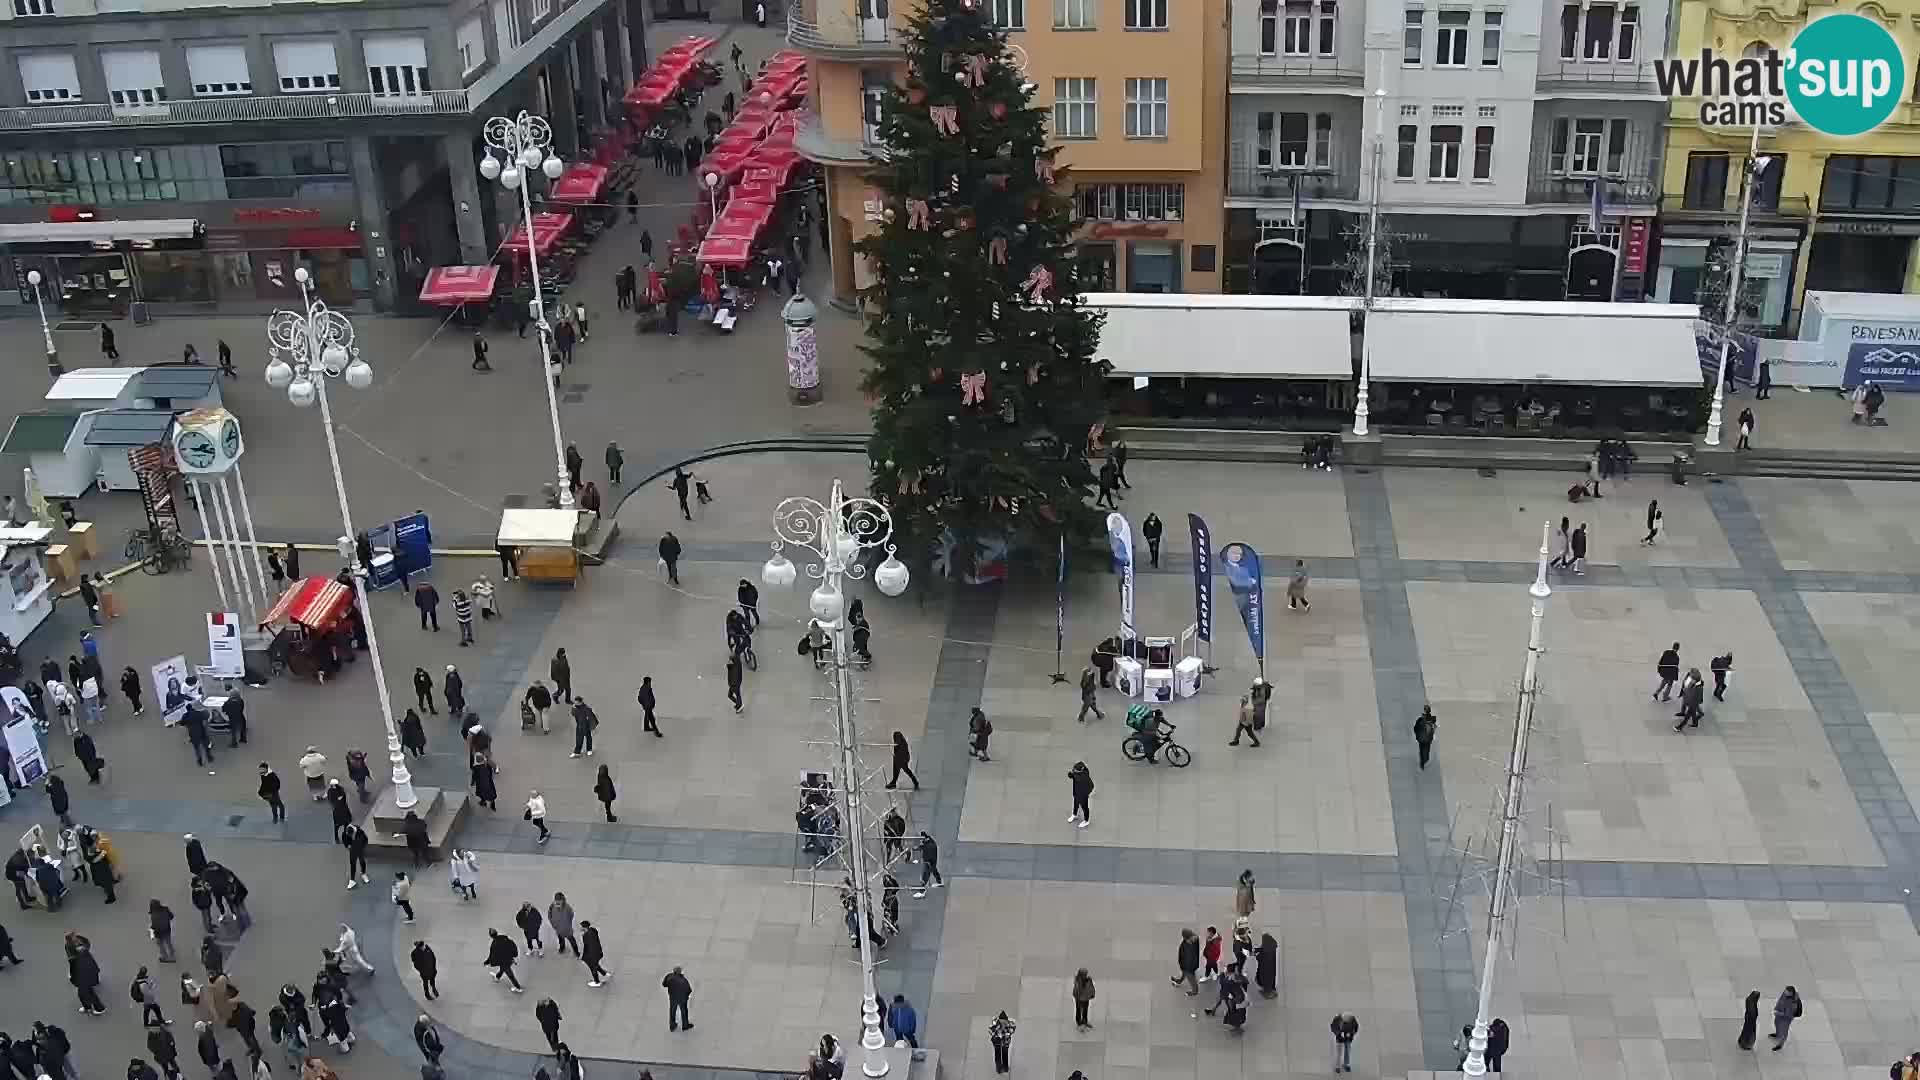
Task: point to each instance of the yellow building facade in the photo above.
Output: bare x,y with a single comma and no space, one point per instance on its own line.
1828,213
1137,91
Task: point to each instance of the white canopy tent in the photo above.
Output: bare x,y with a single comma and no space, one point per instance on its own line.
1499,342
1174,335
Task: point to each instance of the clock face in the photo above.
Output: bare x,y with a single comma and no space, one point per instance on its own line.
230,439
195,449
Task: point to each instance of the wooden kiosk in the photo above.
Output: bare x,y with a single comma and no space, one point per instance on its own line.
545,542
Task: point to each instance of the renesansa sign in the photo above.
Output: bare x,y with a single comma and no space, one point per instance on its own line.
1843,75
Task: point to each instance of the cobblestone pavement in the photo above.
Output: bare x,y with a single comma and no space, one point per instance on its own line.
1771,846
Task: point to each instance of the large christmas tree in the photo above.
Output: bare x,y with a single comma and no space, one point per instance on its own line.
983,380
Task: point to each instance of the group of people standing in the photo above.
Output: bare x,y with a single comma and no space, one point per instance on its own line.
1253,964
1691,686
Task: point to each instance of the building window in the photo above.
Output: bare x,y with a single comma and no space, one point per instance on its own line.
1403,161
1075,109
1263,140
1329,22
396,66
1588,146
1293,140
1483,153
1488,112
1414,27
472,38
1706,182
28,8
1766,187
1599,31
1443,152
1409,112
1490,39
1010,14
1322,140
1270,27
1073,14
49,77
1860,183
218,70
1449,112
874,86
1629,32
133,77
306,67
1146,14
1130,202
1450,40
1296,38
506,25
1146,108
539,9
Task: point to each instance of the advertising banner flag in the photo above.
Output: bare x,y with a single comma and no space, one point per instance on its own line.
1060,606
1241,564
1120,539
1202,578
224,657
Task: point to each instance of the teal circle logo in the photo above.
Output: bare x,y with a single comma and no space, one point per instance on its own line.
1845,74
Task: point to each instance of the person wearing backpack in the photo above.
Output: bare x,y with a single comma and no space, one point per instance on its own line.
1080,781
980,728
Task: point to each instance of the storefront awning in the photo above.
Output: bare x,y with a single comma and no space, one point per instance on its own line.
726,252
547,230
127,427
579,184
447,285
538,528
1247,337
1498,341
86,232
316,603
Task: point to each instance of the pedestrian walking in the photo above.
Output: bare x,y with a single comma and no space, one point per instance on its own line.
1107,483
981,729
929,864
1083,993
548,1015
1243,722
59,801
1750,1022
614,459
536,812
575,464
427,965
413,734
560,669
480,352
539,700
1152,529
1577,549
349,949
83,971
529,921
580,320
1668,668
1746,430
1188,960
1423,729
735,673
585,720
670,553
647,704
1297,588
1693,693
463,617
423,690
1498,1035
342,810
1089,694
1080,787
160,927
679,996
592,953
130,689
1210,950
427,599
604,791
427,1037
1763,386
1000,1034
1656,520
108,348
681,484
1345,1027
902,762
359,773
1722,668
1786,1009
501,953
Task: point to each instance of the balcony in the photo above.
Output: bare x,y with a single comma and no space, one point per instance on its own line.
1632,189
830,29
1245,181
1255,73
1595,80
1789,208
816,143
234,110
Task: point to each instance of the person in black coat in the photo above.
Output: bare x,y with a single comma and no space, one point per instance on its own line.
1497,1038
101,870
561,671
23,1057
428,965
130,689
604,791
1152,530
591,953
670,552
483,786
419,844
295,1005
427,1037
342,810
501,952
88,755
6,947
427,599
648,702
207,1045
1668,668
58,799
548,1014
164,1049
902,762
83,971
354,839
734,675
423,687
1080,783
1266,965
455,689
247,1022
413,734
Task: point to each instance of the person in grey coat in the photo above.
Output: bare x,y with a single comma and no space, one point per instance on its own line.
560,917
1785,1011
1693,694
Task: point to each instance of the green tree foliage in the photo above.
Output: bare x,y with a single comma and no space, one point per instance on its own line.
983,381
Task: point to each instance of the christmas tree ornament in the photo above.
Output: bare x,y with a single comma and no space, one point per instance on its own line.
973,388
953,184
1033,374
1043,169
1037,283
887,214
976,73
946,119
916,94
1003,363
936,374
1006,410
997,250
998,109
918,215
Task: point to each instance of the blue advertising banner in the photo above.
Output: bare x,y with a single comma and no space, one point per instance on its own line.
1241,564
1742,356
1894,366
412,544
1202,578
1120,539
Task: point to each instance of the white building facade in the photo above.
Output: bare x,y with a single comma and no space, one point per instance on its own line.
1496,121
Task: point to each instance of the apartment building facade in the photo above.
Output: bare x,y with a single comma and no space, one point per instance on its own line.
1136,89
1828,213
193,153
1495,122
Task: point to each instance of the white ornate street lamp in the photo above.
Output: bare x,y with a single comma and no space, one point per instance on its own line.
523,141
308,348
1361,406
1755,166
838,532
46,332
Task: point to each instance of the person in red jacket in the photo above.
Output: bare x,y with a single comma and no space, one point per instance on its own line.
1210,952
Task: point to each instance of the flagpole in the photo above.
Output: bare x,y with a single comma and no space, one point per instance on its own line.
1718,409
1060,613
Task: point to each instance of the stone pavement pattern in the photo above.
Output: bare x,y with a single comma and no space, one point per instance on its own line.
1784,859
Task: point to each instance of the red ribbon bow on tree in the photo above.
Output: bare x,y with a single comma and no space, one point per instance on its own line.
918,216
976,73
946,119
1037,283
997,250
973,388
1043,169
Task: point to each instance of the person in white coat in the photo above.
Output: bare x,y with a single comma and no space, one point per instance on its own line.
482,593
536,812
348,949
465,874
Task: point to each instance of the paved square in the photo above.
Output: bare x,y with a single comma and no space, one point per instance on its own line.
1316,784
1756,782
1239,501
1860,525
1016,945
1458,514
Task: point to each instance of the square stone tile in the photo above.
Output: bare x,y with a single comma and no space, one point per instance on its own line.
1313,503
1865,525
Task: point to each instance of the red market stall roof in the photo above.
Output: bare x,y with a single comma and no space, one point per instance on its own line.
726,160
758,191
447,285
548,227
580,184
770,156
316,603
742,219
729,252
762,174
692,46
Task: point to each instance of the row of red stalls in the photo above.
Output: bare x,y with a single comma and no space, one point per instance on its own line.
576,210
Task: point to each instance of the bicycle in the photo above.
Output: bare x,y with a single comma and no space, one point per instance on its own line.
159,549
1134,748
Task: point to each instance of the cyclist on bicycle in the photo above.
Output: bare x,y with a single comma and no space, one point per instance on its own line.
1152,727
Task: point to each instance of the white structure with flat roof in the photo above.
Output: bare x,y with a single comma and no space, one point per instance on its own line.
1193,335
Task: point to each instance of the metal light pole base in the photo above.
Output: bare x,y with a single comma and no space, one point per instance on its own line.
804,395
53,364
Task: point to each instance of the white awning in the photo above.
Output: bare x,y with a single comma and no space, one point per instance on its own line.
92,384
1258,337
537,528
1495,341
51,232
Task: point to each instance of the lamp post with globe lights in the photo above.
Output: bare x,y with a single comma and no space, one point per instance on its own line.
522,142
838,531
308,348
46,332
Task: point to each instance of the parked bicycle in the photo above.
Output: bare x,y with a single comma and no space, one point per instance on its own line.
159,549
